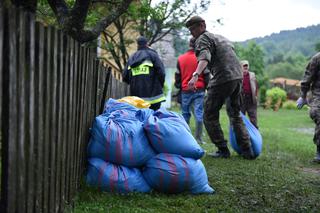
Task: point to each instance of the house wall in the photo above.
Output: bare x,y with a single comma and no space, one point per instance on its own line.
167,55
107,57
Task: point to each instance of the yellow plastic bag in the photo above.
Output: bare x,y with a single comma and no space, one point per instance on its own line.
135,101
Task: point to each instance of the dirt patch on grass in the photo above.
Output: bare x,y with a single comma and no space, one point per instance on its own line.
311,170
304,130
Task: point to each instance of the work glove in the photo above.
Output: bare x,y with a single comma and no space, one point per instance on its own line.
301,102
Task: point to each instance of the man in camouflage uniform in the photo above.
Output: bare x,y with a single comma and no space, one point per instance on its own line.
217,53
311,81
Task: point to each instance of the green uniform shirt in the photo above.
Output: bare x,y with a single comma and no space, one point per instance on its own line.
311,78
222,60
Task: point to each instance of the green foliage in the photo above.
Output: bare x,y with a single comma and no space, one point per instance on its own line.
45,14
254,54
155,19
286,53
275,97
97,11
292,67
292,105
281,179
289,105
284,69
277,93
180,43
317,46
165,89
262,94
301,41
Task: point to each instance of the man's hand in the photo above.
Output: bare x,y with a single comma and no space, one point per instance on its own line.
301,102
192,82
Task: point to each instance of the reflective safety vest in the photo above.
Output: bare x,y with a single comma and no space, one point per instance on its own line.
155,99
146,74
142,69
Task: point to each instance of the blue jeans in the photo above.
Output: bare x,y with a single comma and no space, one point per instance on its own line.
195,98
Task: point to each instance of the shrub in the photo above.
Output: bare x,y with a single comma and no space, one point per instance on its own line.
275,97
289,105
293,105
165,89
262,93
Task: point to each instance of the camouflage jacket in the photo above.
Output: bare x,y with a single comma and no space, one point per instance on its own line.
222,60
311,78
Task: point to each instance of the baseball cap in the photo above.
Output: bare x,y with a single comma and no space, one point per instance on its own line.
193,20
142,41
244,62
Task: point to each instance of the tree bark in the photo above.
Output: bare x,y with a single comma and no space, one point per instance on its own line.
72,21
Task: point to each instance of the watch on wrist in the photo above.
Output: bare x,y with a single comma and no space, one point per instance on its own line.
195,74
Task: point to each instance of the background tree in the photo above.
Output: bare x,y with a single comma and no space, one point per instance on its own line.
156,20
77,18
290,66
116,42
317,46
255,55
85,20
153,20
300,40
181,41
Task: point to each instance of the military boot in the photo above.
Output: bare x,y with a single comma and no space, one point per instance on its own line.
317,157
199,128
248,154
223,152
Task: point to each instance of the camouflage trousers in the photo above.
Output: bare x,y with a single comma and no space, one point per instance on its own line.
213,101
249,107
315,116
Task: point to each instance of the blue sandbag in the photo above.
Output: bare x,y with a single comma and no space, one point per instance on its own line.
169,133
170,173
113,178
143,114
255,137
113,105
119,138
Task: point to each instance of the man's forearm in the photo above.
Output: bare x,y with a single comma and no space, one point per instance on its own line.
201,66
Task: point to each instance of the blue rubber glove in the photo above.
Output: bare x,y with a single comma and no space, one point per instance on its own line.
301,102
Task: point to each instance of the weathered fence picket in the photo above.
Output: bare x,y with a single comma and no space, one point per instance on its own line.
1,65
31,112
51,89
10,114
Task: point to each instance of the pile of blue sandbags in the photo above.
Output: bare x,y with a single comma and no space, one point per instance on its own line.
134,149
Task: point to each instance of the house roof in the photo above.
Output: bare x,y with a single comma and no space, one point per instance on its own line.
286,81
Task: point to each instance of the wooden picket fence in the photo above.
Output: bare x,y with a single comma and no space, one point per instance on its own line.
51,90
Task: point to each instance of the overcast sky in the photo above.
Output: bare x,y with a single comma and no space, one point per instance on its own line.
245,19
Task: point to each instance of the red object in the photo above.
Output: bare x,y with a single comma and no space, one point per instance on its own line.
188,65
246,83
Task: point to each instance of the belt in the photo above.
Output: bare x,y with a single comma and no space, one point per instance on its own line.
247,95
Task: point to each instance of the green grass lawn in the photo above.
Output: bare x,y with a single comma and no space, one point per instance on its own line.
281,179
